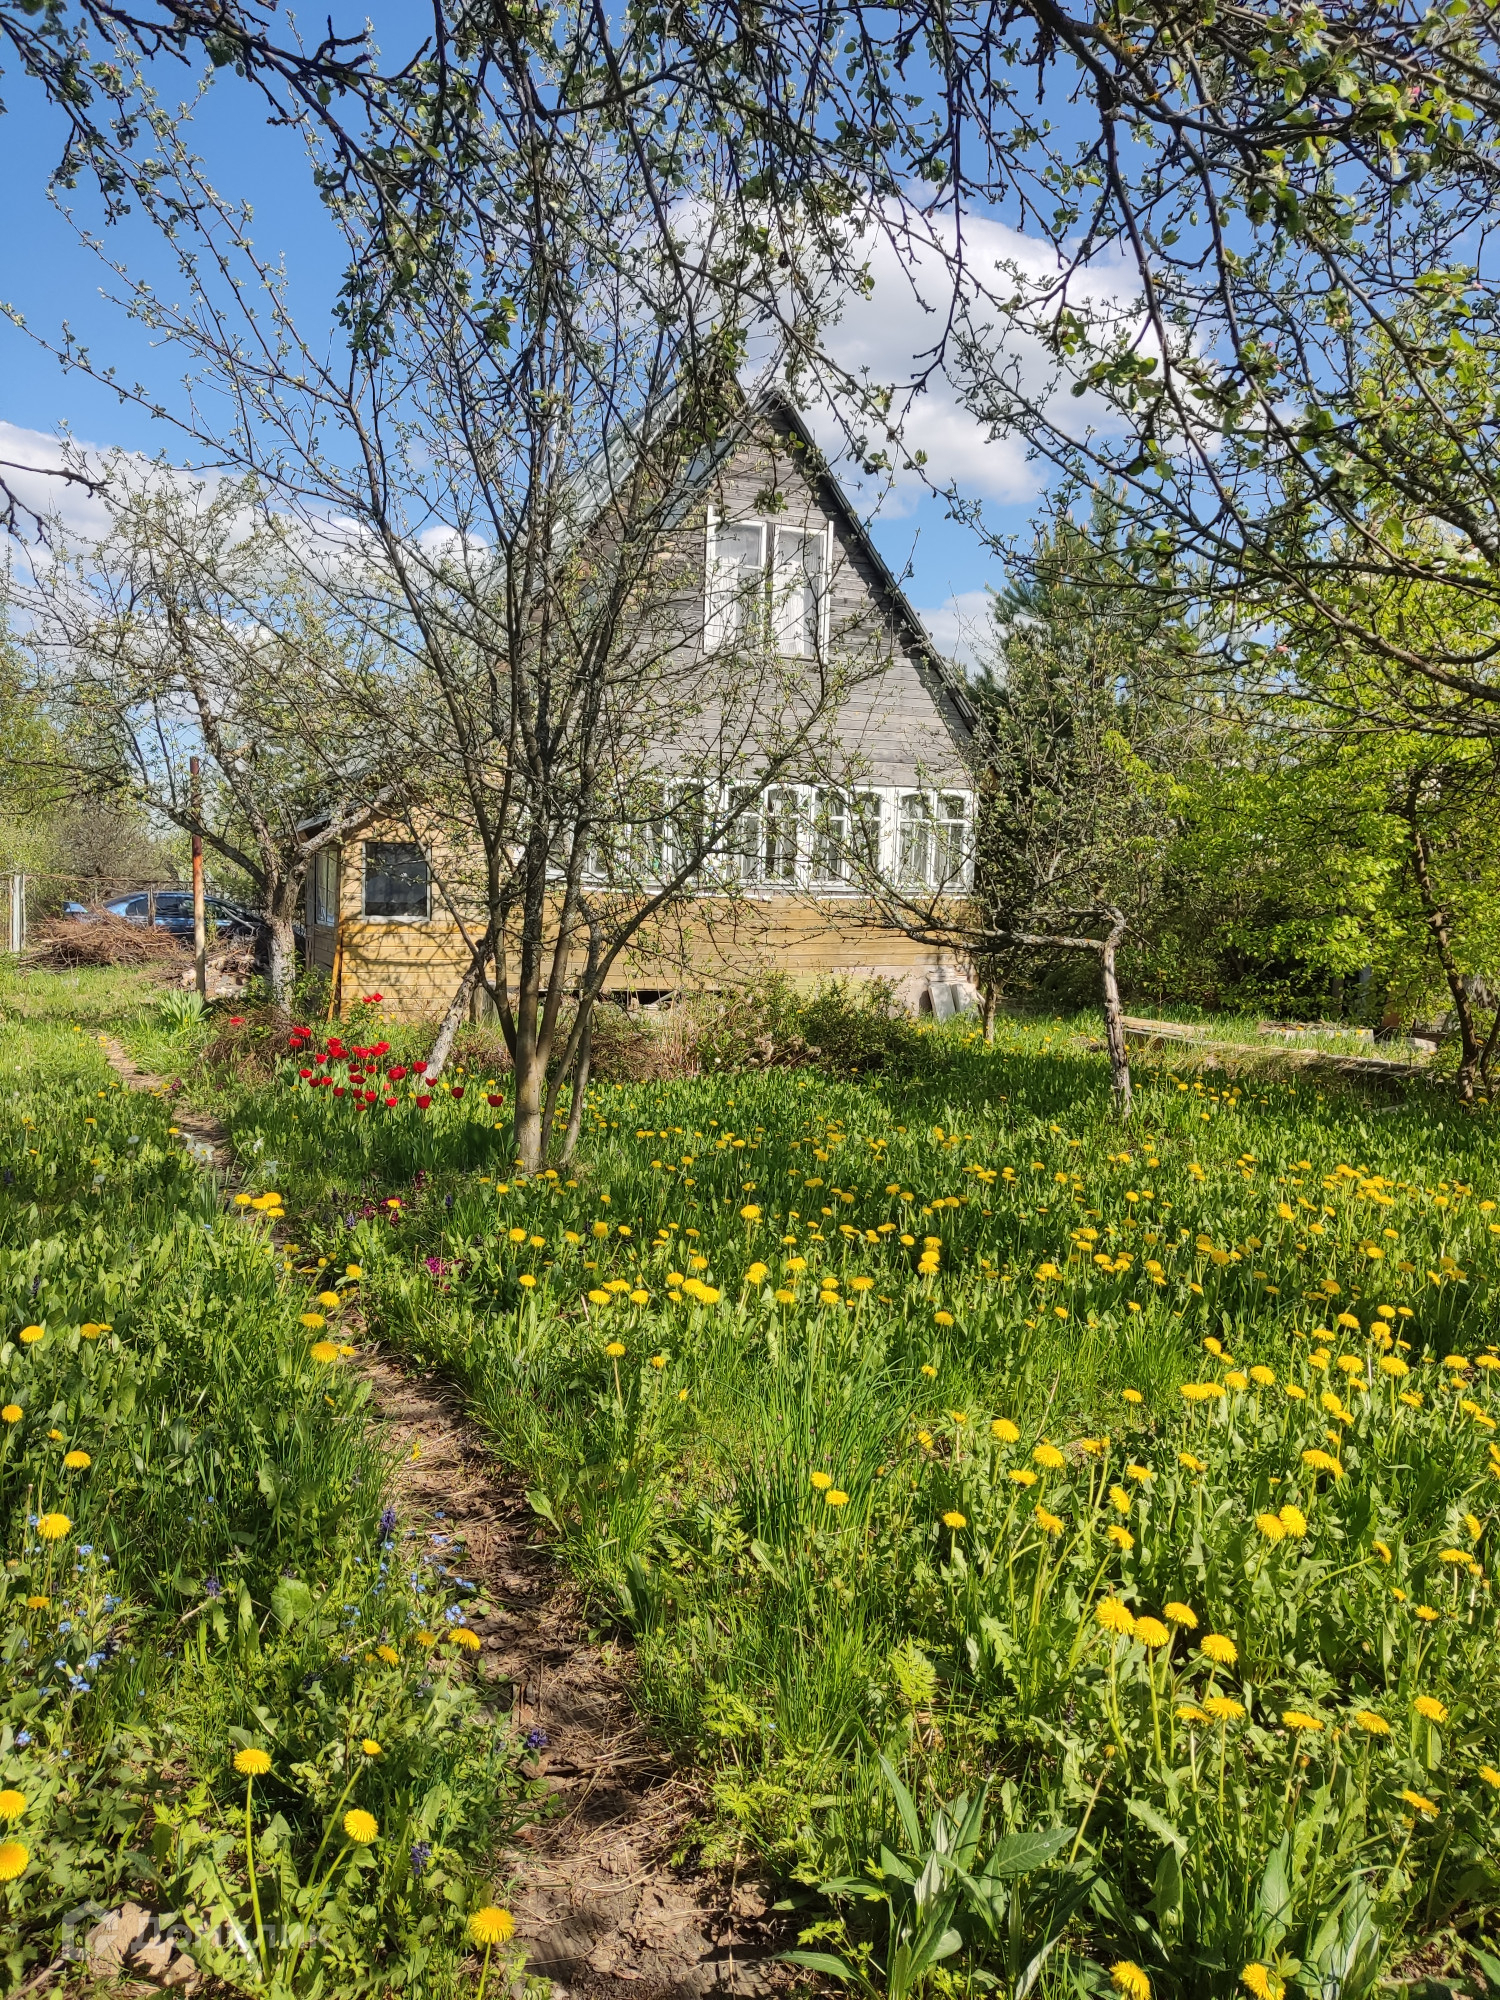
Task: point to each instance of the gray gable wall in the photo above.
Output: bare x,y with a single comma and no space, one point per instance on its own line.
911,722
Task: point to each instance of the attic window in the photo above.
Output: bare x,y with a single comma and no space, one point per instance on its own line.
767,581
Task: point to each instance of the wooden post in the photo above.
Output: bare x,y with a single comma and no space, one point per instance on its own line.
18,912
200,926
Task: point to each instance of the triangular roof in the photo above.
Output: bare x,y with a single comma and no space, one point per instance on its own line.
772,398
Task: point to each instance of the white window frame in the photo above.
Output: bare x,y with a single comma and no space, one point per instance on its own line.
882,808
717,630
327,883
925,819
741,858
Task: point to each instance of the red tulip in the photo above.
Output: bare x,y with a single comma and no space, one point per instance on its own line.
390,1103
494,1102
397,1072
236,1020
458,1090
338,1090
304,1072
423,1101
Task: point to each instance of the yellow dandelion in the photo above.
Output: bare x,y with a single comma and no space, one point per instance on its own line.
1151,1632
822,1481
1122,1538
1129,1980
1222,1651
12,1806
30,1335
953,1519
491,1926
1224,1707
389,1654
252,1763
324,1351
464,1639
1262,1982
1271,1526
1419,1803
1431,1708
1182,1614
1005,1430
52,1527
79,1461
361,1827
1022,1475
834,1498
12,1413
615,1349
1322,1461
1114,1616
1371,1723
1049,1458
14,1858
313,1320
1050,1524
1299,1719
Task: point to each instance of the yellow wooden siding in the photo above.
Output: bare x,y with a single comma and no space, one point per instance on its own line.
415,966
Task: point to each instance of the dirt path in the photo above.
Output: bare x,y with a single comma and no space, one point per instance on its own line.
596,1900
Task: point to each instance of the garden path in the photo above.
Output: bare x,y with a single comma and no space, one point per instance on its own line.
598,1904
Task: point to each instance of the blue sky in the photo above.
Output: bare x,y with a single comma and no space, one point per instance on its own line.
50,278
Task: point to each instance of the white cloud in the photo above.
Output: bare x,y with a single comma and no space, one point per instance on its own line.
32,462
886,337
962,625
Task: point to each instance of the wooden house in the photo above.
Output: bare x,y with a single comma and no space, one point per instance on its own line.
906,731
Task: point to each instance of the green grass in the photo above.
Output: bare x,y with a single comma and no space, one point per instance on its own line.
1084,1273
220,1576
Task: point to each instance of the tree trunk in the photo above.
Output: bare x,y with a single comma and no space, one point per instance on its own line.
580,1091
1114,1021
989,998
1470,1052
453,1020
281,960
1488,1051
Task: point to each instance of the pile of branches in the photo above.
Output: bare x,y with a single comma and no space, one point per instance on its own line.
69,944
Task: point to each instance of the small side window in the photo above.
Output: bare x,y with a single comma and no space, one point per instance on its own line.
326,887
396,879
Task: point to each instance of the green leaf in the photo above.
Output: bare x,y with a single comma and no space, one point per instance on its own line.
1162,1828
291,1601
817,1961
1019,1853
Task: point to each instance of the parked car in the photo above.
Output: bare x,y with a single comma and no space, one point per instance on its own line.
228,922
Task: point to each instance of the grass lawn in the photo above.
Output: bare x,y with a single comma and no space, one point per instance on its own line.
219,1688
932,1430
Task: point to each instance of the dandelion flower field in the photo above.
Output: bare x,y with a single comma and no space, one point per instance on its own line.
1148,1473
1133,1486
208,1613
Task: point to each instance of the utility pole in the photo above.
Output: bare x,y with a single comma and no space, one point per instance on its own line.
200,929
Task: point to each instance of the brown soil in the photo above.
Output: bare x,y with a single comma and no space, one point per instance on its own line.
598,1904
208,1136
595,1897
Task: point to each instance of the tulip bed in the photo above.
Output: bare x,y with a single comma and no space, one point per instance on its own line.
222,1691
940,1425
